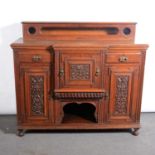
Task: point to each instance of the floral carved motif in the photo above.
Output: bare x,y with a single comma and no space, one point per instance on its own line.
121,98
80,71
37,94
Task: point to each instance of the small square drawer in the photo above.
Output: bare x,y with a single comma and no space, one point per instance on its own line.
123,57
34,56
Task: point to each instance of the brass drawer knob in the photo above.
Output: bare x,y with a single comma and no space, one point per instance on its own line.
36,58
123,58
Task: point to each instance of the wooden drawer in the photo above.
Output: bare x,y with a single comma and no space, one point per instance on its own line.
123,57
35,56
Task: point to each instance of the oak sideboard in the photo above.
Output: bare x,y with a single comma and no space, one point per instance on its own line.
78,76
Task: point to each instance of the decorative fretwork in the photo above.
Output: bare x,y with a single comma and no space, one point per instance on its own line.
37,94
79,95
121,98
80,71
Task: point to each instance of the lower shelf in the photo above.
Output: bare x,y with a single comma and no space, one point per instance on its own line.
69,118
79,113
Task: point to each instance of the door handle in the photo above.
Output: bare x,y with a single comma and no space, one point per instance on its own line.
97,72
106,96
61,72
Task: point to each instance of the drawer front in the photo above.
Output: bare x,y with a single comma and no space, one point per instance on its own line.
35,56
123,57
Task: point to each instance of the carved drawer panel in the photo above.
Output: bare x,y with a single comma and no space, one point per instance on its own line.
35,56
123,57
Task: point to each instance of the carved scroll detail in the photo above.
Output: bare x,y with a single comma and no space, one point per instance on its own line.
121,98
80,71
37,94
79,95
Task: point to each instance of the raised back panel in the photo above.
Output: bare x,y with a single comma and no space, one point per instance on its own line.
107,32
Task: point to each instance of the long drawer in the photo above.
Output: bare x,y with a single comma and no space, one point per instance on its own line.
35,56
123,57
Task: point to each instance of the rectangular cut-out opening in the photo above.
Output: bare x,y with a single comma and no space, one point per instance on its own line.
79,31
79,113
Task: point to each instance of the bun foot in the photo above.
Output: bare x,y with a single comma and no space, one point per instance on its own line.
21,132
135,131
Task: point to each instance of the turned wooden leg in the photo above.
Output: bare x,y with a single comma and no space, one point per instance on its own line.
21,132
135,131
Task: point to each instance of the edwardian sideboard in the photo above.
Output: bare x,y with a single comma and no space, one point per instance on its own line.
78,76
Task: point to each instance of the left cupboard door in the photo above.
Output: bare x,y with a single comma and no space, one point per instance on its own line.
35,94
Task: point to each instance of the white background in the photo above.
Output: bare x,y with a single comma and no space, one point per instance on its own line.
12,13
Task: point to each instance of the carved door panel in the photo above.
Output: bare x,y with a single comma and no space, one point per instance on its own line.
123,89
35,86
79,69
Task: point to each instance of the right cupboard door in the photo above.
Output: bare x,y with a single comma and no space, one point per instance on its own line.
122,84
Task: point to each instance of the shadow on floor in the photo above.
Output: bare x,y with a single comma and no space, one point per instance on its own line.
8,126
77,131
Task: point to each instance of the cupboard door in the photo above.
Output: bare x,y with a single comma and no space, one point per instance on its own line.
35,91
123,89
81,69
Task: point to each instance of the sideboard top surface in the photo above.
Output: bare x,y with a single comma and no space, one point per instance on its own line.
40,44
